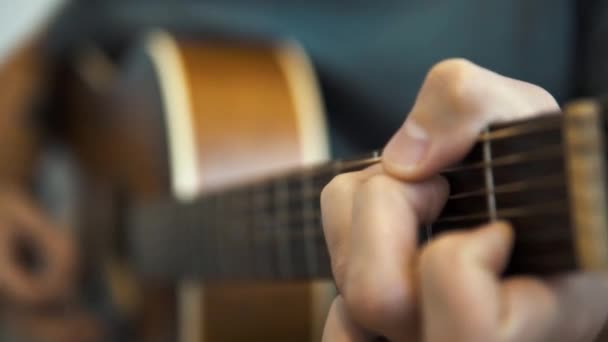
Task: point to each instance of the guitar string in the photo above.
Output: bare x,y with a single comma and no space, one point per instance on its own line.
263,236
505,188
317,233
510,131
556,180
315,217
375,156
509,213
556,236
522,255
550,182
241,204
260,233
542,154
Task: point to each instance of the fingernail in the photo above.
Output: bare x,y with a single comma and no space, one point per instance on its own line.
407,147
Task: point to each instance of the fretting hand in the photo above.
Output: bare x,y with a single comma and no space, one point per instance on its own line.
449,290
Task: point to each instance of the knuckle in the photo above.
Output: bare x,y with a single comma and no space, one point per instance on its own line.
452,70
429,197
545,100
375,303
442,254
336,189
454,79
378,186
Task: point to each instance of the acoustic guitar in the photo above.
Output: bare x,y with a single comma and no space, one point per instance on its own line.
180,118
216,156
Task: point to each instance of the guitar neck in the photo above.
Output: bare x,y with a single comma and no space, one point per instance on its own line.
526,172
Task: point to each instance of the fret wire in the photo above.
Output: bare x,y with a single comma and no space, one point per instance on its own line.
218,231
339,166
548,183
545,153
190,217
266,223
312,217
428,229
536,237
281,216
310,247
512,130
489,178
518,130
545,182
203,234
498,188
251,251
497,132
314,232
507,213
261,219
517,212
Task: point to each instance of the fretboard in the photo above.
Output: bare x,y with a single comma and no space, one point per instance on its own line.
271,229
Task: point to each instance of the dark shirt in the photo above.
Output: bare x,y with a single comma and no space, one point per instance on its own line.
371,56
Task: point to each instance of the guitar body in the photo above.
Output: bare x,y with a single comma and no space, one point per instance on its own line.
186,117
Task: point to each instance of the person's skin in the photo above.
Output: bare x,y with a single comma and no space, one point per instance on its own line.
450,289
25,298
39,305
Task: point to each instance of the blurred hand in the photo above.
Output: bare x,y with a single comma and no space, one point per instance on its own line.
37,260
449,290
37,275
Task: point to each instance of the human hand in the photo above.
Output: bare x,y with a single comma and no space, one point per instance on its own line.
38,276
450,289
37,260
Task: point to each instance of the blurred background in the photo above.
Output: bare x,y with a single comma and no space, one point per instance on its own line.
107,104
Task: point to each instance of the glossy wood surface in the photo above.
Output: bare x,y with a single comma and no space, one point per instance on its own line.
114,126
245,126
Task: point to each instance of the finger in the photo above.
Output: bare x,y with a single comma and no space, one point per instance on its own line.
460,285
24,222
568,308
339,327
457,100
379,290
336,208
15,281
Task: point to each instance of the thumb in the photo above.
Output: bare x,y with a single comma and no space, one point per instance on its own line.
457,100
